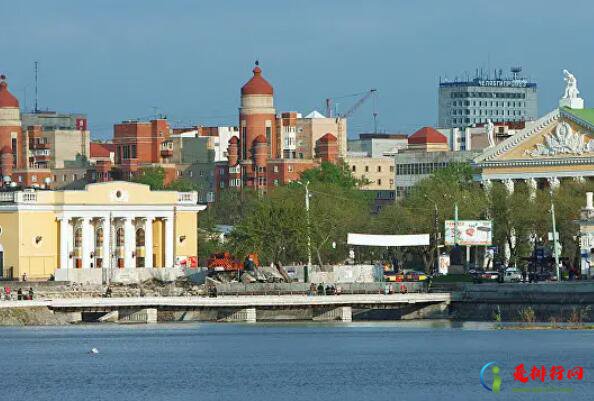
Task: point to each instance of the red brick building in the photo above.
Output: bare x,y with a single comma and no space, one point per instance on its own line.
254,159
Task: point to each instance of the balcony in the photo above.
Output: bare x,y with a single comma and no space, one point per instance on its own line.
41,146
166,152
187,198
19,197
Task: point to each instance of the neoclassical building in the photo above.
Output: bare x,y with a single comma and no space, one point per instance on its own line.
556,147
87,235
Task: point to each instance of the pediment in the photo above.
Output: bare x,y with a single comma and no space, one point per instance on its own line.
560,134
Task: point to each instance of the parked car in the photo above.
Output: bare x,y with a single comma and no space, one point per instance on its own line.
512,275
490,275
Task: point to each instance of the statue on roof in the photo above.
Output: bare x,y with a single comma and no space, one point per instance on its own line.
490,132
571,90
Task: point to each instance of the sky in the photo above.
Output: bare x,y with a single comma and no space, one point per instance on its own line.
117,60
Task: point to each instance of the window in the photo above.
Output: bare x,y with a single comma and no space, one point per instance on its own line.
391,169
379,181
354,168
367,169
99,238
379,169
140,237
275,169
133,151
33,178
120,237
276,183
290,168
74,177
78,237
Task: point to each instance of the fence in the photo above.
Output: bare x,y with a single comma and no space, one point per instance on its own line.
304,288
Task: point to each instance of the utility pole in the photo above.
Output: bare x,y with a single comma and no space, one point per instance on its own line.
308,267
555,247
436,229
36,103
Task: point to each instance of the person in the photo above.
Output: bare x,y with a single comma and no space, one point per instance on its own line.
312,289
31,294
320,289
20,294
338,290
24,276
108,292
7,294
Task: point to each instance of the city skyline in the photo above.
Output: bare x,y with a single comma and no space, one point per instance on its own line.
111,63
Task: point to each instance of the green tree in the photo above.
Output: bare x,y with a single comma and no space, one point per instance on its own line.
183,185
151,176
329,173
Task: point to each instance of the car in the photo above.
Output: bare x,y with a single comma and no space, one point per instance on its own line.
415,276
490,275
512,275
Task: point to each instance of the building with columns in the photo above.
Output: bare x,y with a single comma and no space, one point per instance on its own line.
92,234
558,146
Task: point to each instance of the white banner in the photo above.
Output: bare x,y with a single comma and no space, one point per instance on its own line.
388,240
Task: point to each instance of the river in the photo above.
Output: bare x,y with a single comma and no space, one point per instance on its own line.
271,362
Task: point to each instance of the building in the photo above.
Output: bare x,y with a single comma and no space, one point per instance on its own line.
427,152
377,172
556,147
464,103
377,144
271,150
105,229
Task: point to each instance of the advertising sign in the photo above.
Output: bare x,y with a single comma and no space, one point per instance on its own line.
468,232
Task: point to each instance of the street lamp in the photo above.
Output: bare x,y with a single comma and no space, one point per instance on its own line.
436,234
555,248
306,270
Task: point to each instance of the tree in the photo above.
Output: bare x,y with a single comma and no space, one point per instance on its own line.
183,185
151,176
329,173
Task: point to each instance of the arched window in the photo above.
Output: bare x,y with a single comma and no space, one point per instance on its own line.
99,238
140,237
120,237
78,237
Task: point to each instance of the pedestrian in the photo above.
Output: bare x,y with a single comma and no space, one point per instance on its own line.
24,276
20,294
31,294
312,289
7,294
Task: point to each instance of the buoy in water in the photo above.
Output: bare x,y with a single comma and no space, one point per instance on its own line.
94,351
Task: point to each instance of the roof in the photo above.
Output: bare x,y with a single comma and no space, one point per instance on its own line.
328,138
101,149
583,114
6,98
260,140
257,85
315,114
427,135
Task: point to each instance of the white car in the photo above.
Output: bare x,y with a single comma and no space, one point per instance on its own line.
512,275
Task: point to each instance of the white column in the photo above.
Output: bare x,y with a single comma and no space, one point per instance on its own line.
70,242
129,243
64,251
106,226
88,235
148,242
169,234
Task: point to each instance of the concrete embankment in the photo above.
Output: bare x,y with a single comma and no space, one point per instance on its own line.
544,302
31,316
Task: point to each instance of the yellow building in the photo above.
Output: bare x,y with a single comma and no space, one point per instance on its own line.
102,231
377,171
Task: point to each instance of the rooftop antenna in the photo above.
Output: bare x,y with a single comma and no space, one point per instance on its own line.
36,97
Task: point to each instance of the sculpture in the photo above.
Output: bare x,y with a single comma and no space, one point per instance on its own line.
563,141
490,132
571,90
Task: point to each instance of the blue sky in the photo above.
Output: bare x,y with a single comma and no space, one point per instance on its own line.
118,59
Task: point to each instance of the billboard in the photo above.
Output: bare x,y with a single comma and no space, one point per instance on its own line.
468,232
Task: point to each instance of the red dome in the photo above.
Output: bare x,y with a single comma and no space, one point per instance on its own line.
427,135
234,140
260,140
328,138
6,98
257,85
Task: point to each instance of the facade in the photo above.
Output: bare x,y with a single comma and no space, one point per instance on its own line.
84,235
377,144
557,147
501,99
427,152
377,171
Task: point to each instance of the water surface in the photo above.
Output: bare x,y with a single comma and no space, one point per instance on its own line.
270,362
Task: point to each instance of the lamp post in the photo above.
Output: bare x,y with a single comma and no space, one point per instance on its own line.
555,248
435,234
306,270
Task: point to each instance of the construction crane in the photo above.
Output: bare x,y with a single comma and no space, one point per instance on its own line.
330,102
